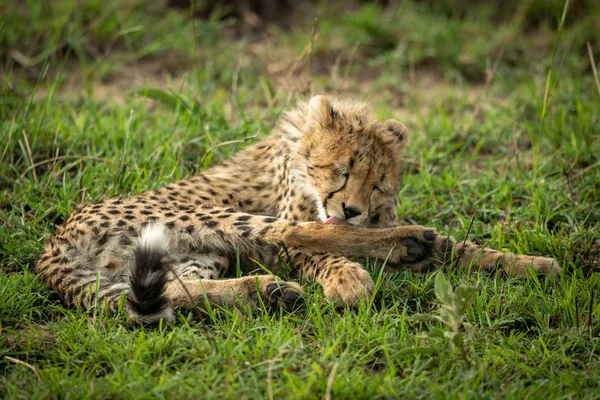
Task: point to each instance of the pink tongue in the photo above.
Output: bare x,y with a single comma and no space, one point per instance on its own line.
336,221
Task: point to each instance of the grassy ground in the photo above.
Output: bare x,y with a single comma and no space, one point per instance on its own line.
101,98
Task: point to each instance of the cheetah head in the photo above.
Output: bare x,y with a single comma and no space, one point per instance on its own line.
353,162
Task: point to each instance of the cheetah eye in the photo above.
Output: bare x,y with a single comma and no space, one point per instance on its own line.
377,188
346,175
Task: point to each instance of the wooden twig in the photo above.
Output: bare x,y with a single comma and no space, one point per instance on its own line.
17,361
210,149
53,159
586,169
29,154
593,62
590,312
465,241
313,38
270,380
330,381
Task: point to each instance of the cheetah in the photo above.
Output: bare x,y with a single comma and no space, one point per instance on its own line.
321,191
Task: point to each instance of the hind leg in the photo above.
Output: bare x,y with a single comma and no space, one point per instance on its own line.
249,290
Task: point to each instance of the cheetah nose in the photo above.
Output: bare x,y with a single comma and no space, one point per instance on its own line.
350,212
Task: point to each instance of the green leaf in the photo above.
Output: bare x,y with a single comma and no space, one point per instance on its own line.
458,341
448,316
443,289
436,332
463,297
450,335
426,317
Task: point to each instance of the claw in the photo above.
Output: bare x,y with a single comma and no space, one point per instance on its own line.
429,235
282,296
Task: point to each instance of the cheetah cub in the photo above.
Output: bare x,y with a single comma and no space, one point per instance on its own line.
321,188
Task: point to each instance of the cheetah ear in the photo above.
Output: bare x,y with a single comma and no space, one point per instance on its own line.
397,132
320,111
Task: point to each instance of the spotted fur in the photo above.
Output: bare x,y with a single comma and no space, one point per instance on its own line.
167,248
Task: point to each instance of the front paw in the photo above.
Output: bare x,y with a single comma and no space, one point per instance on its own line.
275,293
348,285
420,248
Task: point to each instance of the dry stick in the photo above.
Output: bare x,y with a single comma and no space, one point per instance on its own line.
313,38
334,71
29,154
236,72
197,312
17,361
32,167
353,53
185,289
194,43
510,156
576,313
304,53
81,187
590,313
593,62
465,241
488,81
52,171
270,380
330,381
227,143
583,171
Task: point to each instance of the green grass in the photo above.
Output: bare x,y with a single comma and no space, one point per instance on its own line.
519,153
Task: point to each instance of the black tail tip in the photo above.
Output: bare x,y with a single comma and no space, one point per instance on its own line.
147,300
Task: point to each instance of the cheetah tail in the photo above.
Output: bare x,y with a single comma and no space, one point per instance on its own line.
146,298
